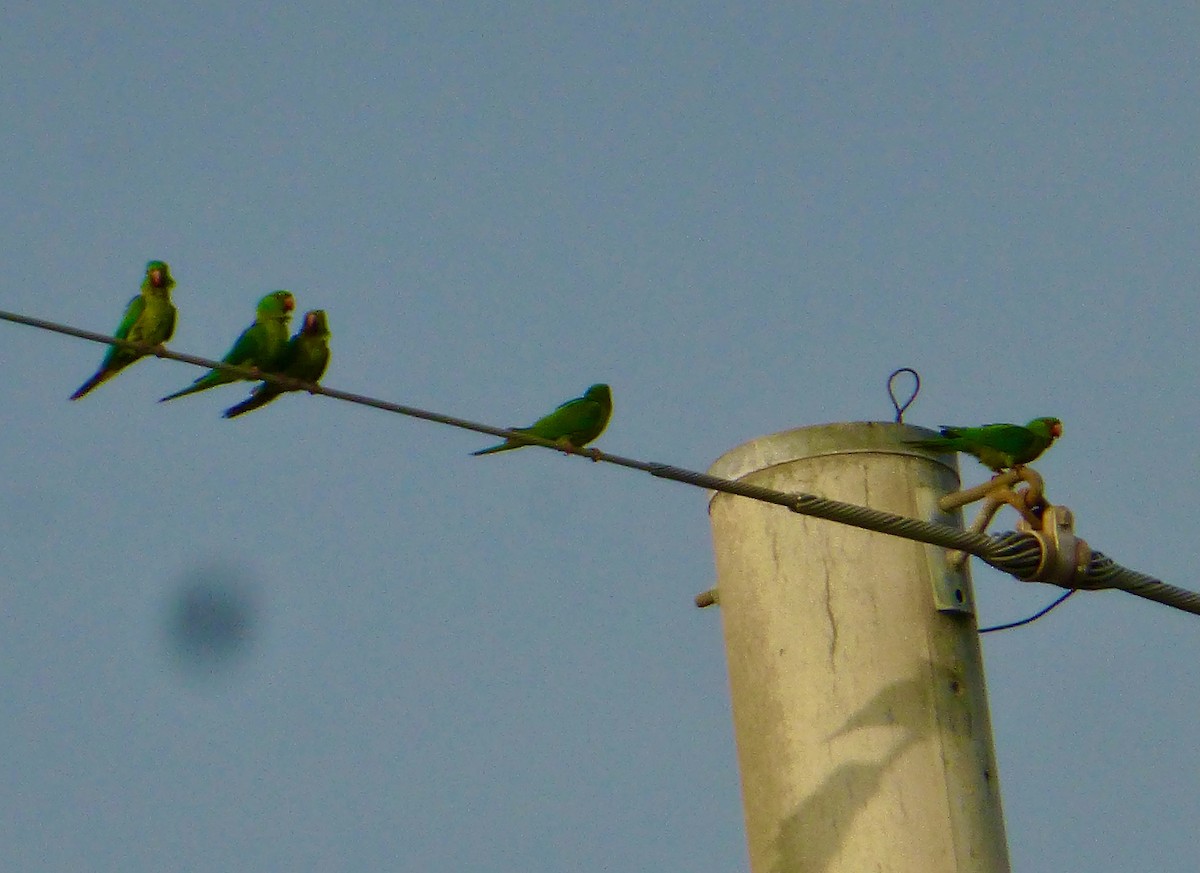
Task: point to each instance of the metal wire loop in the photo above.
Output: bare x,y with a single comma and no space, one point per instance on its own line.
891,388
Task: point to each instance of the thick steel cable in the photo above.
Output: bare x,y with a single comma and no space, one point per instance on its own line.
1018,554
1103,572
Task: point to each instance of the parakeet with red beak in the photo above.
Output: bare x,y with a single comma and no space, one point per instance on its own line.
998,446
261,344
149,318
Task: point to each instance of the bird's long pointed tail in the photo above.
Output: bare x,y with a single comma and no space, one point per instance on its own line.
937,444
100,376
503,447
201,384
254,401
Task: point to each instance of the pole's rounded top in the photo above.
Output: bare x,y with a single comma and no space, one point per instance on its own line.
819,440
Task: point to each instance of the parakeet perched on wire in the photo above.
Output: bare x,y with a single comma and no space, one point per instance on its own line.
149,318
576,423
998,446
306,357
260,345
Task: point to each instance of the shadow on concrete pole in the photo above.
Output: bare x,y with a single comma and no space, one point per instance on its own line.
859,705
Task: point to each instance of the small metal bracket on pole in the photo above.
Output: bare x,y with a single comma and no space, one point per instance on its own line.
951,590
951,594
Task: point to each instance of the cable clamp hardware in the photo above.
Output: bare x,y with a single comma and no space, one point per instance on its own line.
1064,556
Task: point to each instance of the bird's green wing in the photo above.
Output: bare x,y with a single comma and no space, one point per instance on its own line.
248,347
117,356
998,446
571,421
243,353
1011,439
133,311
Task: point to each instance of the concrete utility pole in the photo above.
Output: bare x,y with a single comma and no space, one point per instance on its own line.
859,704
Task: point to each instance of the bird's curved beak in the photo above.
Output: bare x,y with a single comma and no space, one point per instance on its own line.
1056,430
156,277
289,303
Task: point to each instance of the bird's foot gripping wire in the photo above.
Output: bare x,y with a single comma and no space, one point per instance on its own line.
1022,488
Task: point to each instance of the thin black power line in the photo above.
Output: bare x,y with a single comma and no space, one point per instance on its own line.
1013,553
1030,619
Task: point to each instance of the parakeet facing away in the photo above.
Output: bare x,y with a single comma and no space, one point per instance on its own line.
306,357
997,446
149,318
260,345
576,423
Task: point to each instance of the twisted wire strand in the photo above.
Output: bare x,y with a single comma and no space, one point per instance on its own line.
1103,572
1018,554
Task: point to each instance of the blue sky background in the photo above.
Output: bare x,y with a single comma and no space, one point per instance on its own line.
742,219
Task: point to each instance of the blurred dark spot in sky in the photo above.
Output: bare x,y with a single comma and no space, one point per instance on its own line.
212,621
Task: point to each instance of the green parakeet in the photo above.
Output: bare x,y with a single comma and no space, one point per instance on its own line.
149,318
260,345
576,423
306,357
997,446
